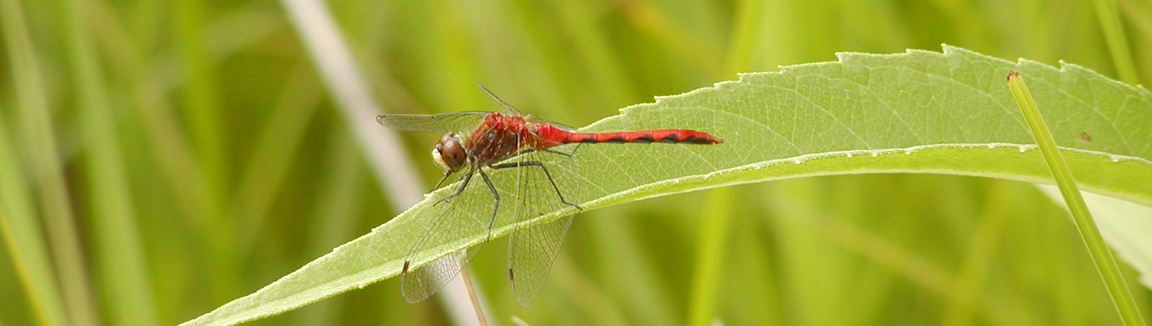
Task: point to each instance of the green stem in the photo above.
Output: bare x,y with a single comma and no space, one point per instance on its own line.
1101,254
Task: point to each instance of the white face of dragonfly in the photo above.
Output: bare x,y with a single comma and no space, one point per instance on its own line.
449,153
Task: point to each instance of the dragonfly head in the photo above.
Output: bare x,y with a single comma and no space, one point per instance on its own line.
449,153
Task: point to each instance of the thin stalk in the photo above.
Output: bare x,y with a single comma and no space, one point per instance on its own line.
476,304
1101,254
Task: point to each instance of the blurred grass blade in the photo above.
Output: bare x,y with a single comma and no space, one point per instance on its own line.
268,166
578,20
710,257
41,152
1101,254
918,111
119,250
22,236
336,212
970,282
1117,39
641,296
201,108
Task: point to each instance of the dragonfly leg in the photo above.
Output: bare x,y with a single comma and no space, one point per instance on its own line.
546,174
441,182
566,154
562,153
466,177
495,202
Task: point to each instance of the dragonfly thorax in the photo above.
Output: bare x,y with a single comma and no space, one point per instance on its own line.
449,153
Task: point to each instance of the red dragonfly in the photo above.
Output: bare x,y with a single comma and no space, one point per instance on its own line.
477,141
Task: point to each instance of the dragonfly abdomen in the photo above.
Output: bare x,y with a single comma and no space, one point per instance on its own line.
645,136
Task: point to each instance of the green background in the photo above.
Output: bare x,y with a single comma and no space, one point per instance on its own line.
235,168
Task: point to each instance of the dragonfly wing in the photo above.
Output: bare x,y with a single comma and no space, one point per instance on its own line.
443,122
531,252
543,187
419,284
449,221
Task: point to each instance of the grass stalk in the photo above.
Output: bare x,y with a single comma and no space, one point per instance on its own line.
1097,249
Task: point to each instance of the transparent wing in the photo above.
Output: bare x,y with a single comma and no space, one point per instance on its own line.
531,252
443,122
544,187
419,284
453,220
535,120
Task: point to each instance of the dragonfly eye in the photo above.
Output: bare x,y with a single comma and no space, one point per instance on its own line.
449,153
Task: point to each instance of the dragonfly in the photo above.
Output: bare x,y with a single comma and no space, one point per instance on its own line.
476,144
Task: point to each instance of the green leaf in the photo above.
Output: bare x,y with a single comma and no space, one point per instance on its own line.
916,112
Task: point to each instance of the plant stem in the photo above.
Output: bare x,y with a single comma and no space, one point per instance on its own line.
1101,254
472,295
